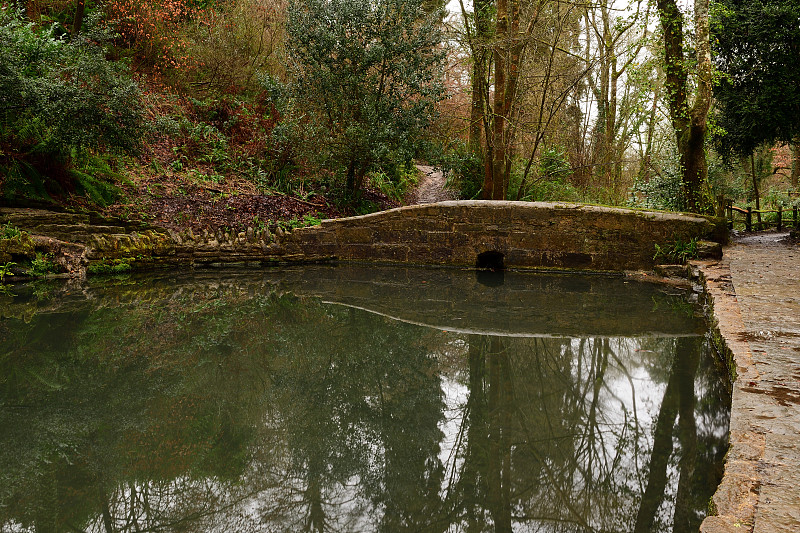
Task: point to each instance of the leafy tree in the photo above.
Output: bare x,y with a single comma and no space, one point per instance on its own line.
689,116
369,73
757,47
60,99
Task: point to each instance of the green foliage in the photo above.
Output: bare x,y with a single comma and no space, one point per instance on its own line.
554,165
463,170
110,266
60,100
5,270
368,74
96,179
42,265
551,184
662,191
677,252
659,192
726,179
396,180
755,47
9,231
307,220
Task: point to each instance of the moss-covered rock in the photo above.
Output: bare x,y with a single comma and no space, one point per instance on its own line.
17,248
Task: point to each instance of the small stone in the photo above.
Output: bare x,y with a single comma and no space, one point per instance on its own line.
672,271
709,250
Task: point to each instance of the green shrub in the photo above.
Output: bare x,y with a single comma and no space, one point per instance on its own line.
677,252
395,180
5,270
463,171
110,266
368,75
9,231
42,265
60,102
551,182
660,192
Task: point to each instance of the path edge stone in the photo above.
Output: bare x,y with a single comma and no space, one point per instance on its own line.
734,504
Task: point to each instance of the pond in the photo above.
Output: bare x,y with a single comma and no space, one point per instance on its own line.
357,399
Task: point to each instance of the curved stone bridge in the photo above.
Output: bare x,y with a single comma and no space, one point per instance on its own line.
460,233
503,234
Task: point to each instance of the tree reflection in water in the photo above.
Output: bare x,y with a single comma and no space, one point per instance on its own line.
577,435
214,407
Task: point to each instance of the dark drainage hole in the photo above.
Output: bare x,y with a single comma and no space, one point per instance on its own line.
490,269
490,261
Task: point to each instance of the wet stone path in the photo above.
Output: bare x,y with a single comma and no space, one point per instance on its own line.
762,486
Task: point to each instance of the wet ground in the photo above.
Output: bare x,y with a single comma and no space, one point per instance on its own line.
757,302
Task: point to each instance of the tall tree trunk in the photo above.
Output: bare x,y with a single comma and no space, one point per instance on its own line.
475,470
480,63
689,122
646,171
77,22
604,120
493,184
662,449
507,58
795,163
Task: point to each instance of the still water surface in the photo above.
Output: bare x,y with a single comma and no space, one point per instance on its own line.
353,399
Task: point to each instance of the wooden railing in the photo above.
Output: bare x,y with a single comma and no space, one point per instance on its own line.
780,222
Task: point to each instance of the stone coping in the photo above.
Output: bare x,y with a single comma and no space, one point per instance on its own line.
736,498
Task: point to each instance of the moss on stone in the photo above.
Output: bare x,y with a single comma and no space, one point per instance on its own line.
20,246
110,266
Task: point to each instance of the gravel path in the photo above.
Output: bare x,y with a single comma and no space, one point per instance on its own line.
431,188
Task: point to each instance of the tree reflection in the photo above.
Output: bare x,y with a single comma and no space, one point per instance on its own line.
217,408
554,437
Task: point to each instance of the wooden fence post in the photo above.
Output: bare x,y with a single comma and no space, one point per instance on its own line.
730,213
794,217
780,217
719,208
748,220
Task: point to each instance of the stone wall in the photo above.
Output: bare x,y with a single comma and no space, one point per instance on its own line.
516,234
528,235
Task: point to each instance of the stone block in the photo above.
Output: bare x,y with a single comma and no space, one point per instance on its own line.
391,252
438,255
709,250
523,258
567,260
672,271
428,223
358,234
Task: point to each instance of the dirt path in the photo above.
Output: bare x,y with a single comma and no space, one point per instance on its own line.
431,188
763,465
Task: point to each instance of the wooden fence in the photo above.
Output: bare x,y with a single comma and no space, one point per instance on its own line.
781,221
